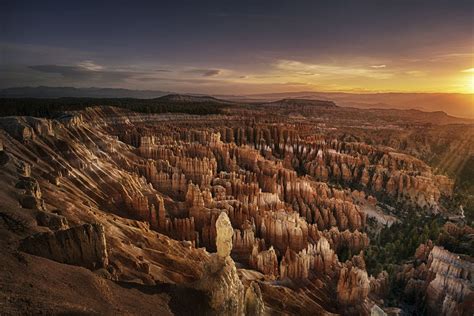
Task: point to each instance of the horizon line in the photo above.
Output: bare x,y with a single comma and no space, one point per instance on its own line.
248,94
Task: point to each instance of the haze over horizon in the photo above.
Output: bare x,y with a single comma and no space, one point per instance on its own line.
240,48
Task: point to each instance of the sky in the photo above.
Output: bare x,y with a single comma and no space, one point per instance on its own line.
240,47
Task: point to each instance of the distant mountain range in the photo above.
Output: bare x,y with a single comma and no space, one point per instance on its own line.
62,92
457,104
184,98
302,102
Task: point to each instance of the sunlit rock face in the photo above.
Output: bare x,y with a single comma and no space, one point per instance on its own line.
353,285
221,281
249,212
442,278
451,289
224,236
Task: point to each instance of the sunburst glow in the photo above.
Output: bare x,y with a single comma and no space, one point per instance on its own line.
470,85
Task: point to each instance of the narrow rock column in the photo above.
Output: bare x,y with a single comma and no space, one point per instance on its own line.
224,236
220,279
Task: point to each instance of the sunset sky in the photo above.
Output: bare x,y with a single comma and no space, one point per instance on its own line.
239,47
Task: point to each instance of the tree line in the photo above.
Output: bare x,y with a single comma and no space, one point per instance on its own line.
51,108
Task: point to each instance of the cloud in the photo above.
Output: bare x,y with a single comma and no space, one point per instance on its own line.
177,80
330,71
65,71
470,70
416,73
89,72
85,71
378,66
90,65
146,79
205,72
453,56
212,72
294,83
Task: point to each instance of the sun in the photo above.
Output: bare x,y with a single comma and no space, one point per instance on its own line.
470,84
470,79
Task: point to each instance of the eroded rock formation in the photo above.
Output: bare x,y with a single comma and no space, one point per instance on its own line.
221,281
450,292
443,280
281,197
83,245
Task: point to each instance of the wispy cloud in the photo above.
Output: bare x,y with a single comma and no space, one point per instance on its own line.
212,72
415,73
90,65
204,72
470,70
452,56
85,71
378,66
65,71
327,70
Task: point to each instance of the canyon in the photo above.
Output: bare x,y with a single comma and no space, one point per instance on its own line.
261,209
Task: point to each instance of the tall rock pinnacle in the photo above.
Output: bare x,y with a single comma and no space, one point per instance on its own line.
224,236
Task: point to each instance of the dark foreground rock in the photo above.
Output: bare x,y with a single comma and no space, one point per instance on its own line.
83,245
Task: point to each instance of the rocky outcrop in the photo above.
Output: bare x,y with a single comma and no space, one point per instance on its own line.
221,281
225,232
450,293
402,177
353,286
440,279
51,220
17,128
265,261
377,311
32,196
83,245
254,304
319,258
3,155
380,286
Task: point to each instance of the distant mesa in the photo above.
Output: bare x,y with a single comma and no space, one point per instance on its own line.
303,102
187,98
